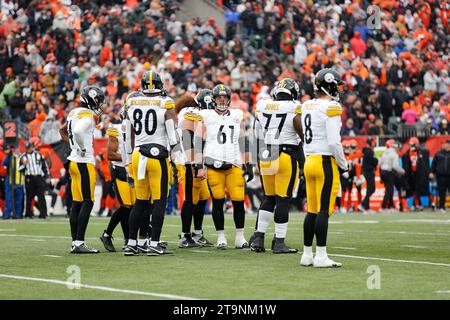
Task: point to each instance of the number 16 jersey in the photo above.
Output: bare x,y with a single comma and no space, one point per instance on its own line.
315,114
147,116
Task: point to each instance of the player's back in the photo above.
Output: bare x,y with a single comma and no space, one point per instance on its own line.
315,114
277,121
147,116
73,119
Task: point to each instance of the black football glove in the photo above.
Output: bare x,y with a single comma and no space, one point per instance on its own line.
248,171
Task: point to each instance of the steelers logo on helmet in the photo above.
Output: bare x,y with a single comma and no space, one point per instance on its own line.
92,93
265,154
207,99
154,151
217,164
328,77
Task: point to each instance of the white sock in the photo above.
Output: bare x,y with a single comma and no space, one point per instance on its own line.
73,243
321,252
141,242
182,234
154,243
220,235
307,251
78,243
264,218
198,232
280,230
131,242
239,234
105,234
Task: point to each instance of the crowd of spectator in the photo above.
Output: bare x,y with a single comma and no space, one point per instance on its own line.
395,69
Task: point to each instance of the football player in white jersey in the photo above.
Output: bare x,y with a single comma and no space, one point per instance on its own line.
278,125
78,131
321,121
151,128
196,192
122,182
220,145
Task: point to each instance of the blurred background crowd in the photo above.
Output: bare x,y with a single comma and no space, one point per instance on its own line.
394,59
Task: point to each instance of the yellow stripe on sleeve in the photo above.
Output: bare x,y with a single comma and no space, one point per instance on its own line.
112,132
170,104
298,109
85,114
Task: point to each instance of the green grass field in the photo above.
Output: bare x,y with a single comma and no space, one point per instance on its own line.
411,250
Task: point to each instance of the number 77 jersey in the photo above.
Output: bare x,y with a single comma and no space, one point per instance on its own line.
277,121
315,114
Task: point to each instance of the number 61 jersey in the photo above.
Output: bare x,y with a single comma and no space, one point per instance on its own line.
222,135
315,114
147,116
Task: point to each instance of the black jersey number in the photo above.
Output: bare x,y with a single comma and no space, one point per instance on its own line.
222,136
281,116
308,130
139,124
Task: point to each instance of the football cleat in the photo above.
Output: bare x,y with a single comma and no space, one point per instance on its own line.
158,251
143,248
241,244
82,248
257,244
306,260
280,247
252,237
325,262
130,251
201,240
163,244
107,242
222,245
187,242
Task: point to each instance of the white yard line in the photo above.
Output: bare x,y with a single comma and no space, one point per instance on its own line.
422,221
443,291
51,256
392,260
2,230
102,288
344,248
36,240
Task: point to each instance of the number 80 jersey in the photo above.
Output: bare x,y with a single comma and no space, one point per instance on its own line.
315,114
147,116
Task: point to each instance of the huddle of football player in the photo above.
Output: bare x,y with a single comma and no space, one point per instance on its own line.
202,142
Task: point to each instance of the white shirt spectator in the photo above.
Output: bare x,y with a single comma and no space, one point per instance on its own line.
430,80
300,51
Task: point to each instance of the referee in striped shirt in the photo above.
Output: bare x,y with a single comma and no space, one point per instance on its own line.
36,179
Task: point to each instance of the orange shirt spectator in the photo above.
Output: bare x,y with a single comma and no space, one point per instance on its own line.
35,125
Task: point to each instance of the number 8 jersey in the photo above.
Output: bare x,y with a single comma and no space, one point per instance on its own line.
147,116
315,114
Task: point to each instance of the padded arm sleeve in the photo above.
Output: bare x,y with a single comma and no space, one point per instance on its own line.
128,142
333,125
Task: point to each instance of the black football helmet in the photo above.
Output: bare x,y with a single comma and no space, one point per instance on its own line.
221,90
204,99
93,98
151,83
287,86
329,82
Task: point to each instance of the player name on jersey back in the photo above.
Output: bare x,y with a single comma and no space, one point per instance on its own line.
86,117
147,116
277,121
315,113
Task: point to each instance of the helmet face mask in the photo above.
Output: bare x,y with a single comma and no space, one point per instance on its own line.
221,97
